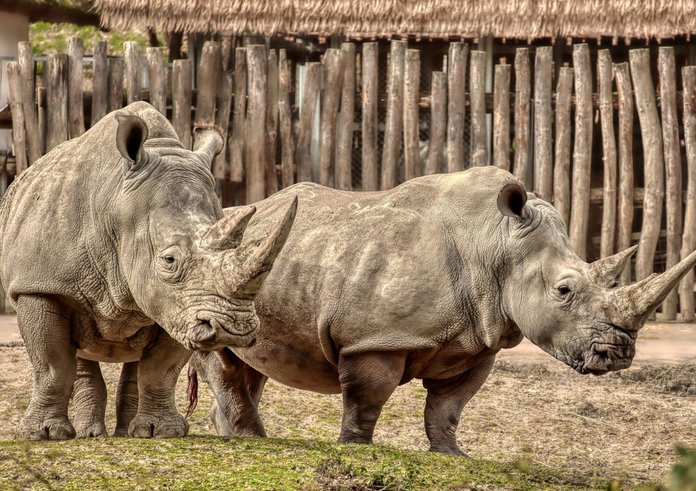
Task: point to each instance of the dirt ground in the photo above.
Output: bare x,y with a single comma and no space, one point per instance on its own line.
623,426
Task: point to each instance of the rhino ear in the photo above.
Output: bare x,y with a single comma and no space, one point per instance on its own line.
511,200
130,136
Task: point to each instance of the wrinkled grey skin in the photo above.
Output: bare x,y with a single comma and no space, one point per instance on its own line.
110,236
428,281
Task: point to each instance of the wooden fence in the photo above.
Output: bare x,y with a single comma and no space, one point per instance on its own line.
270,108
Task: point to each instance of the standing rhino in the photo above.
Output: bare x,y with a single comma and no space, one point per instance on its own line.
428,281
110,236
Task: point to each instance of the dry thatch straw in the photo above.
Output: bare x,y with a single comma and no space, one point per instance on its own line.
427,18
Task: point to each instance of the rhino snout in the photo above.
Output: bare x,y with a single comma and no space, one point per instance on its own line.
214,331
610,352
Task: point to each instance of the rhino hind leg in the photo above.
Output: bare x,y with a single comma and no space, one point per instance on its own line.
446,400
89,400
367,382
237,388
126,398
158,372
45,327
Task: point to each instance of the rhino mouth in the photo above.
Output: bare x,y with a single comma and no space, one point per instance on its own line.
213,331
613,350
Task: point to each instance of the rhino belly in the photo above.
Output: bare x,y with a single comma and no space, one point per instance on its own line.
110,352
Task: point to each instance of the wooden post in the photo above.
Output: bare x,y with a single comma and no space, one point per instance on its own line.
331,98
477,95
670,136
76,108
256,109
606,113
19,135
236,143
543,164
157,75
561,174
182,74
344,146
411,119
287,141
686,287
501,117
394,118
131,53
208,80
57,100
100,82
35,144
116,69
651,136
582,150
221,167
625,220
271,123
308,107
456,106
438,124
370,95
522,94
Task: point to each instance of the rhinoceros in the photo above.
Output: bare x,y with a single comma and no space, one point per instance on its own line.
114,247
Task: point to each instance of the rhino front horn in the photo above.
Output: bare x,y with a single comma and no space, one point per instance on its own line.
634,303
258,262
605,271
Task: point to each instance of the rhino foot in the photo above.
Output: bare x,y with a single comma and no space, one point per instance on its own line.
93,430
448,449
158,426
58,428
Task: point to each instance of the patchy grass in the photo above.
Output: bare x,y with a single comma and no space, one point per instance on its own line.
47,37
246,463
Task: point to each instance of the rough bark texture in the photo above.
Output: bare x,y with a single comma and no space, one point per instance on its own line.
19,136
344,144
76,111
624,89
501,117
157,75
221,165
522,93
411,116
35,144
116,71
582,151
438,124
182,73
651,136
606,112
287,142
670,136
331,99
561,172
57,100
256,109
100,82
208,79
477,95
686,288
543,148
236,142
308,107
394,118
370,94
131,53
271,123
456,106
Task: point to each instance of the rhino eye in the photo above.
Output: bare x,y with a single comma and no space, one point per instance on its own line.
564,291
169,259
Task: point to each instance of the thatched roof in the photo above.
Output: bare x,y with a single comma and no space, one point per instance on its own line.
427,18
75,11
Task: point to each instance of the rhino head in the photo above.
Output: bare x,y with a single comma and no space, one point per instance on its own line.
573,310
187,266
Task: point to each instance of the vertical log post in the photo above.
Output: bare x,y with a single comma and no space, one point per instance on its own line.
287,141
221,166
411,119
131,53
331,98
271,122
116,70
182,75
256,110
76,108
100,82
543,164
208,80
651,135
522,94
157,75
438,124
370,86
308,106
501,116
561,173
686,288
344,145
456,106
394,118
582,150
625,219
672,155
19,140
606,113
57,100
35,144
477,94
236,143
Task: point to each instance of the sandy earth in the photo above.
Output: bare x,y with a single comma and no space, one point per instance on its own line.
622,426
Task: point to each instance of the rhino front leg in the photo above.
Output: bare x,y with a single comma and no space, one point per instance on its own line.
367,382
158,371
237,389
446,400
126,398
89,400
45,328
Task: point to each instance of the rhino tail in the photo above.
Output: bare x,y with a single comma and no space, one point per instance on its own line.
192,391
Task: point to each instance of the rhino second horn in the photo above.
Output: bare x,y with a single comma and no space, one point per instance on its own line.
634,303
208,142
259,261
605,271
227,233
